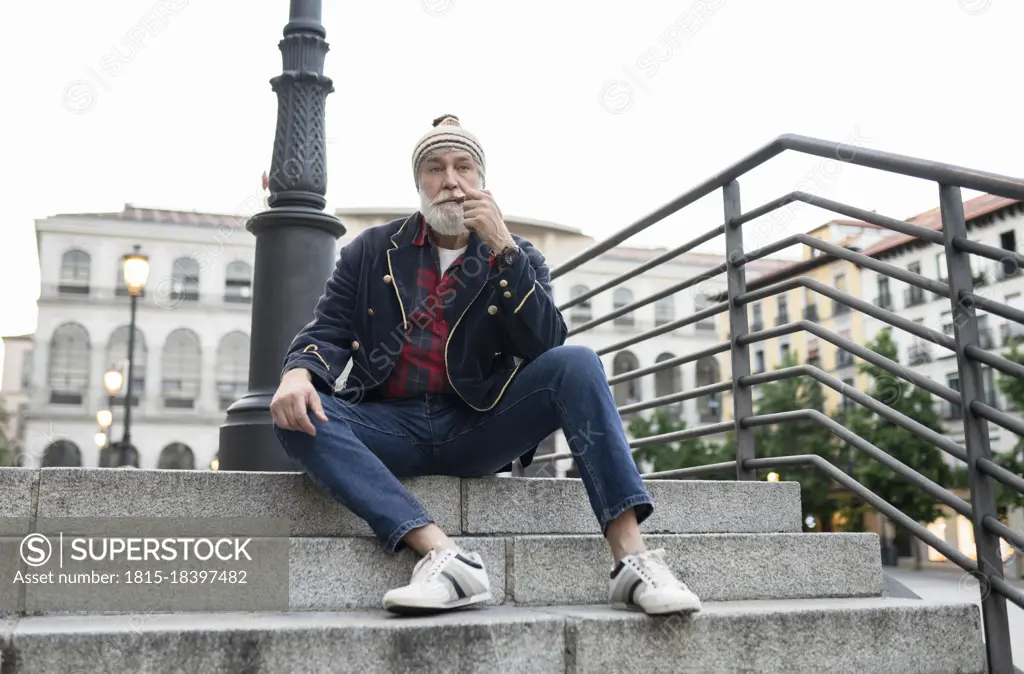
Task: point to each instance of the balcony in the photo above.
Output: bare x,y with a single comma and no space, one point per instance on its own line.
919,353
843,359
811,313
912,297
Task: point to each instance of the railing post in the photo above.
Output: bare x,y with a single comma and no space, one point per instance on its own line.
983,496
742,400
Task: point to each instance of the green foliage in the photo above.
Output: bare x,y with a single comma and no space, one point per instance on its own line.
896,441
1013,461
675,454
1012,387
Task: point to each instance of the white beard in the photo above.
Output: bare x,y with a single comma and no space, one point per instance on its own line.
445,219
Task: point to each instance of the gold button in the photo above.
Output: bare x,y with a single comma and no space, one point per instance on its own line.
387,278
492,310
504,283
507,294
370,311
355,346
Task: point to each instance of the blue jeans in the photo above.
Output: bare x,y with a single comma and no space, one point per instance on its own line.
358,456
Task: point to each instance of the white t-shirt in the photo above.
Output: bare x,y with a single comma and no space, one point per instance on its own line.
446,256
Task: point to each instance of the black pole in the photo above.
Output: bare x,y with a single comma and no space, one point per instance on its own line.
295,240
126,437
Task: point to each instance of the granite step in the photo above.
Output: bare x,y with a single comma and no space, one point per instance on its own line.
856,636
484,506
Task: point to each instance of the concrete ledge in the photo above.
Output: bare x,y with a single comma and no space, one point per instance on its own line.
846,636
857,636
560,506
98,492
17,500
547,570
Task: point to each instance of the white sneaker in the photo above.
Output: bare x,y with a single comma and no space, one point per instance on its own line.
644,582
443,580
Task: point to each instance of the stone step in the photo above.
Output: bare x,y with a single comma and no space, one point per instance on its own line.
484,506
857,636
330,574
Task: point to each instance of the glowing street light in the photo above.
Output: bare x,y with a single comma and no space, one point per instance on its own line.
104,418
773,477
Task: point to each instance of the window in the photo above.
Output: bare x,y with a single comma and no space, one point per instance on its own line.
1012,332
951,410
74,273
986,340
989,381
883,300
667,382
946,320
625,392
847,403
700,303
63,454
27,369
784,351
1008,241
232,368
238,283
759,365
664,310
176,456
840,285
181,369
781,310
913,295
68,375
623,298
709,408
756,322
117,358
940,266
185,279
582,312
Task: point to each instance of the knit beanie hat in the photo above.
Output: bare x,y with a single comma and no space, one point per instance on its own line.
447,134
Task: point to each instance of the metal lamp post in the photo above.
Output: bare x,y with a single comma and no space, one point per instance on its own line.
295,240
136,271
113,380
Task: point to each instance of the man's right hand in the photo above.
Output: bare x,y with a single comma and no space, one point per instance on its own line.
294,397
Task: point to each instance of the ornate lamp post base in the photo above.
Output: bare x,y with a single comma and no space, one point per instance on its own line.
295,241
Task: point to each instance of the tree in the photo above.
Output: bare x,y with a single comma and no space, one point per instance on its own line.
1013,388
675,454
798,437
898,442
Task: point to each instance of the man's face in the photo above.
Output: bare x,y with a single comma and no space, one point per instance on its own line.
440,195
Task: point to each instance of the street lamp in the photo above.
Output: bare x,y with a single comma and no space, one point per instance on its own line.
104,418
136,271
773,477
296,240
113,380
100,439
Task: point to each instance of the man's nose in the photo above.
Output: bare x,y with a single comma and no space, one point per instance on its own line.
450,182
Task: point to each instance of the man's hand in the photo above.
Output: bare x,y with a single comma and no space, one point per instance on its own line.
295,395
482,216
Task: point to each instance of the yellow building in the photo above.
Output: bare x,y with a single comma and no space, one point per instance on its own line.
805,303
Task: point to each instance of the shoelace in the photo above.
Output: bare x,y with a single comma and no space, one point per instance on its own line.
427,567
653,564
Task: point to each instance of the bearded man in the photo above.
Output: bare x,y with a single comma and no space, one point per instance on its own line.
459,367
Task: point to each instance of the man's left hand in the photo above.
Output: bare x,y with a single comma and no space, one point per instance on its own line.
482,216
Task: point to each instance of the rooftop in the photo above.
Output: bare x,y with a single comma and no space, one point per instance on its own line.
133,213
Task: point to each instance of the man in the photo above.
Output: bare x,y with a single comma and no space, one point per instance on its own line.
458,368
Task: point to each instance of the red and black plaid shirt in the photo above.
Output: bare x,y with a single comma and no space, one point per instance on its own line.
420,367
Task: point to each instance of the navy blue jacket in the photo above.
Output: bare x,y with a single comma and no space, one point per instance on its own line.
498,319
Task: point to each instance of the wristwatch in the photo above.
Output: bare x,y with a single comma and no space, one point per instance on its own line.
508,256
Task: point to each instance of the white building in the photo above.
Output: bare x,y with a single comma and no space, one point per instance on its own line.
192,351
991,220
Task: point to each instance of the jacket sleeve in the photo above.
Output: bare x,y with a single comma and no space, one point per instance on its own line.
323,346
532,319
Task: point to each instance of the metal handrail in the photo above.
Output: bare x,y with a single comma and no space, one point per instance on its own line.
956,284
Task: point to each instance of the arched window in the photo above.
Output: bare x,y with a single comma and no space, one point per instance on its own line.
620,298
181,369
74,273
626,392
238,283
185,279
232,368
68,373
117,358
582,312
709,407
62,453
667,382
665,310
701,302
176,456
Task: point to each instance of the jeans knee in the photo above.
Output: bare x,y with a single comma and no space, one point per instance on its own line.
580,360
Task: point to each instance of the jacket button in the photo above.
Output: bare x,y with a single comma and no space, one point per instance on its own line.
507,294
370,311
355,346
387,278
492,310
504,283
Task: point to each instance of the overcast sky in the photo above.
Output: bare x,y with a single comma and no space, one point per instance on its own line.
591,114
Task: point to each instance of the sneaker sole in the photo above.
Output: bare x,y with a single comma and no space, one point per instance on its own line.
660,610
432,609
